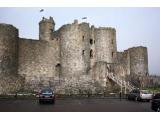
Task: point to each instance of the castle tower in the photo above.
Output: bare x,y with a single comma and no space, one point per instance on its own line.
74,48
46,28
105,53
8,50
105,44
138,61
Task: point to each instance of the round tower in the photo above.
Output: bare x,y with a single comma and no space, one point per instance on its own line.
8,50
74,49
46,28
138,61
105,44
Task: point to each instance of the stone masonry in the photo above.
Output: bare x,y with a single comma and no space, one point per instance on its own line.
75,59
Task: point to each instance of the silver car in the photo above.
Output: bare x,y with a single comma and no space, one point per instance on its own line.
140,95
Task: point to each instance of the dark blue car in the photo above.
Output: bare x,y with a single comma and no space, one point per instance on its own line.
156,102
46,95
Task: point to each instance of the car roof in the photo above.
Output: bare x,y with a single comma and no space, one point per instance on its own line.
144,90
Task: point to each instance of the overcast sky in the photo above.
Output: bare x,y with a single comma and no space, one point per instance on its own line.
134,26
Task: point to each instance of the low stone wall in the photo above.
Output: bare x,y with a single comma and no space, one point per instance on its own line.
77,85
11,84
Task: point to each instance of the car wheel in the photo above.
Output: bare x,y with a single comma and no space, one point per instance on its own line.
148,100
139,99
40,102
128,98
158,109
52,101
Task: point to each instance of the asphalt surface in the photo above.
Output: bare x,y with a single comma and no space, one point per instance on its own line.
75,105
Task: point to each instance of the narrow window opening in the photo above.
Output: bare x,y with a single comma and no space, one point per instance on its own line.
58,65
82,38
112,54
112,41
51,30
83,52
58,69
91,53
91,41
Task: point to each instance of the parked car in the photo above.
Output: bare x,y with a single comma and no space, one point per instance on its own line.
140,95
155,104
46,95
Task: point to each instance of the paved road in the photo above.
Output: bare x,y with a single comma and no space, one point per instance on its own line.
75,105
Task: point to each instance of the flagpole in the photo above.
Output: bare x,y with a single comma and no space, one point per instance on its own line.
41,11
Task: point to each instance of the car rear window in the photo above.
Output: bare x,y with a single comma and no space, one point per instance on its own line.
145,92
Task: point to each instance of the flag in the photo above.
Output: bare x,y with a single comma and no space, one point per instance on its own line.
41,10
84,18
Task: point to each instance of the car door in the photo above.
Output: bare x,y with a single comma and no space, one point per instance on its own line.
136,94
132,94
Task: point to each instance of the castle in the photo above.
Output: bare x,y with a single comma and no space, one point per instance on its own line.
76,58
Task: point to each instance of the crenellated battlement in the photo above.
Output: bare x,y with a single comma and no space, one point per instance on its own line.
45,20
107,28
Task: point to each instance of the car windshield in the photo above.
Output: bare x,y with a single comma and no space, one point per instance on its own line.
46,91
145,92
135,91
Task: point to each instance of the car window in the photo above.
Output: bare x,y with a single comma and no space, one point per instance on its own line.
145,92
133,91
157,96
136,91
46,91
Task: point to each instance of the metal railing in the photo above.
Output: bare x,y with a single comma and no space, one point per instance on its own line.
122,83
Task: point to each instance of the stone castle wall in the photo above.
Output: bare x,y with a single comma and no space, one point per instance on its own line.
122,66
38,60
9,79
132,64
8,50
74,48
139,61
46,27
105,42
73,59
